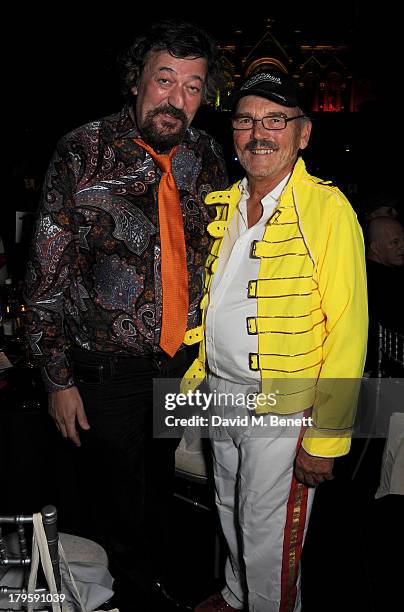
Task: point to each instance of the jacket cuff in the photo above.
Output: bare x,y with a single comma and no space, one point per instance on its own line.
322,443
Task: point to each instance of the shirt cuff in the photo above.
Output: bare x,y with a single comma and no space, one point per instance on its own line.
56,378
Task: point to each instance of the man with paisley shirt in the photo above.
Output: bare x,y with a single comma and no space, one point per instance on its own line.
94,286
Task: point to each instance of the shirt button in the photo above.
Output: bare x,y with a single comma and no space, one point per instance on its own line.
210,340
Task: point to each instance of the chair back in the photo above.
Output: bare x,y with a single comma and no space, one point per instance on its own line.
390,353
15,552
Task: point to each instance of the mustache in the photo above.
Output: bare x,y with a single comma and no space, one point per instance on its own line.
177,113
261,143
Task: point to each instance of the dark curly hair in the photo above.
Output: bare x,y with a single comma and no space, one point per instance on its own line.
181,39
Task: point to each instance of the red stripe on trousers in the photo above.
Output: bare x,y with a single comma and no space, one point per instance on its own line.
289,575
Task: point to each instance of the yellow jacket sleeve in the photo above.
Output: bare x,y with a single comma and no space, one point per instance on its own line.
342,284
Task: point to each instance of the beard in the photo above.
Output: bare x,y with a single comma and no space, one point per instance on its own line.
156,136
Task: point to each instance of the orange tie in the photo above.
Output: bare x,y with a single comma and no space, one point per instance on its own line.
174,272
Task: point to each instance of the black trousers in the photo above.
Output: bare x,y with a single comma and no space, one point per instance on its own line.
126,476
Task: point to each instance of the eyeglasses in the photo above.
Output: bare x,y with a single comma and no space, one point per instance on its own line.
270,122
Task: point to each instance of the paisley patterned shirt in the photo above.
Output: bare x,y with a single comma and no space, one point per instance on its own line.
94,274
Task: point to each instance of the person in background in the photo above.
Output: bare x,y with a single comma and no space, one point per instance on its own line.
114,283
385,273
285,287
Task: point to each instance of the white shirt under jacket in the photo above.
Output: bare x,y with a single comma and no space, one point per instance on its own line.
227,342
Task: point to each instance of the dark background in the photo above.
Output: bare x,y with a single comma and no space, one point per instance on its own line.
60,71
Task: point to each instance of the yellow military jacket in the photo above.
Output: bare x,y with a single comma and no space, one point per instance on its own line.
311,307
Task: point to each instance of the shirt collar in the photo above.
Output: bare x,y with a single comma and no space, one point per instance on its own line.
271,197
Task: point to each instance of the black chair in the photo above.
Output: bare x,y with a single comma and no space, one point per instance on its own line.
12,556
16,558
391,353
195,487
377,403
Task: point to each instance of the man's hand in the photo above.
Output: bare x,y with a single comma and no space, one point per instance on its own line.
313,470
65,407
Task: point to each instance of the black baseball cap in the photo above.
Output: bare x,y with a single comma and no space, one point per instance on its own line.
272,85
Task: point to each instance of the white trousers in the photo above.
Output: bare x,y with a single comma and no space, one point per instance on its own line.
263,509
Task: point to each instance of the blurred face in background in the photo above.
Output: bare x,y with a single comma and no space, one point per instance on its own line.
387,241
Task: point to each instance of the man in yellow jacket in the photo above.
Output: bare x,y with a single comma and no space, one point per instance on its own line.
285,316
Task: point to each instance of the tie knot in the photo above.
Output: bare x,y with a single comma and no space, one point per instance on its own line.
162,161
